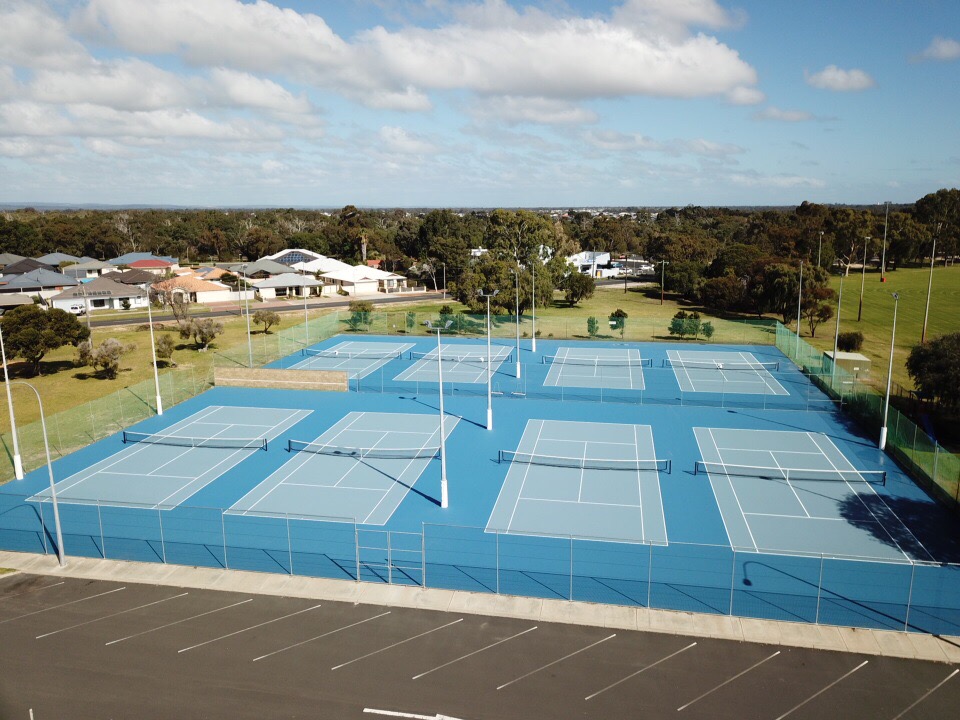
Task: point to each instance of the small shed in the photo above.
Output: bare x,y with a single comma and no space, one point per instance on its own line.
854,363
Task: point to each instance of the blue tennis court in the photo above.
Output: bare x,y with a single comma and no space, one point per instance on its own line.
596,368
724,372
361,469
164,469
461,363
358,358
592,480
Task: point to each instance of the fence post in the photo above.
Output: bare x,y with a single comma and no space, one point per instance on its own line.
497,560
936,458
223,532
356,547
649,575
571,568
906,619
289,544
163,545
423,554
733,579
103,544
819,591
43,529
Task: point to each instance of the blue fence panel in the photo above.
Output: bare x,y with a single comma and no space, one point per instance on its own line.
322,548
694,578
608,572
535,566
865,594
21,528
460,558
776,587
935,603
257,543
80,526
131,533
194,536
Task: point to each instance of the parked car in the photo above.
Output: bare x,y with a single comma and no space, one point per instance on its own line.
77,309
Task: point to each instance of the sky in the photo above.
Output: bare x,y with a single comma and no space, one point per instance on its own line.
478,103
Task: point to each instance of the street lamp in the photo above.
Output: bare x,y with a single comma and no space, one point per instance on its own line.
863,276
516,273
153,353
53,490
926,311
799,301
663,276
246,302
836,337
883,252
489,360
17,462
444,500
886,404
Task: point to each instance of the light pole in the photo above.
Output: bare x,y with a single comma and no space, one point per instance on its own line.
246,302
533,301
86,310
516,273
444,500
799,302
863,276
663,277
836,337
926,311
17,462
819,246
53,490
886,404
444,281
883,252
153,353
489,361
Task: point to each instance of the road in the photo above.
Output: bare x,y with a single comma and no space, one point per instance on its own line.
75,648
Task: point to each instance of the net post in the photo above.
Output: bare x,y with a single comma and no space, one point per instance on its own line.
264,444
669,467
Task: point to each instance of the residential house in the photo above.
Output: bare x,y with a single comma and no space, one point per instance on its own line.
158,266
595,264
288,285
87,270
8,301
133,257
193,289
55,259
101,294
363,280
44,283
137,278
259,269
8,259
25,265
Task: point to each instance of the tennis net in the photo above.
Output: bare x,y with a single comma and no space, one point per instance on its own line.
871,477
447,357
195,442
350,354
363,453
597,362
720,365
581,463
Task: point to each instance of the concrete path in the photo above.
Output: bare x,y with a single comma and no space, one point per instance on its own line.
801,635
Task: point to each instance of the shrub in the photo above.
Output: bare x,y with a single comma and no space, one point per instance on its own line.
850,341
593,326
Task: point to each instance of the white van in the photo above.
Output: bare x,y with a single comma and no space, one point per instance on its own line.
77,309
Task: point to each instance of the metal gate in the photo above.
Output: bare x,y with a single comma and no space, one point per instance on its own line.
390,556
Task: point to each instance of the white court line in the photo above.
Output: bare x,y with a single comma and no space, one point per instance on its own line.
122,612
728,681
323,635
808,517
643,669
551,664
27,592
252,627
817,694
786,479
735,496
716,499
56,607
177,622
390,647
523,480
583,502
475,652
925,695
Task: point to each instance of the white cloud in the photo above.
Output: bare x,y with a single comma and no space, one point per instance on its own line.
839,80
242,89
33,36
129,84
617,141
9,87
755,179
544,111
708,148
24,147
398,141
940,48
745,96
775,113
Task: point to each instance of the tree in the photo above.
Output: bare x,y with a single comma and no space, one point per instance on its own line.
849,341
593,326
618,321
361,315
683,277
30,332
722,293
203,331
577,287
935,369
707,330
411,321
814,307
267,318
689,324
164,349
168,294
104,358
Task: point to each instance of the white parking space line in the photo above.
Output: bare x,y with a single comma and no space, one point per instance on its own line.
560,660
728,681
820,692
177,622
923,697
322,635
31,590
55,607
105,617
475,652
252,627
643,669
389,647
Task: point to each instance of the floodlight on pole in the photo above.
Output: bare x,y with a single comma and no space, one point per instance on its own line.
819,247
926,311
533,304
489,360
886,403
799,303
663,277
153,354
53,490
883,252
17,461
516,272
836,337
863,276
444,499
246,303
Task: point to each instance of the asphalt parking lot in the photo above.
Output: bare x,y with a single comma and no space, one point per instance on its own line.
73,648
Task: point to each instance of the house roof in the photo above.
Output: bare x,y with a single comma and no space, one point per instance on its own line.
7,258
55,258
321,265
132,257
190,284
131,277
37,280
8,300
295,251
270,267
100,287
361,273
288,280
213,273
26,265
149,263
87,265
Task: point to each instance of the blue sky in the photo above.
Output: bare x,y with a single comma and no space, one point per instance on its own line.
394,103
